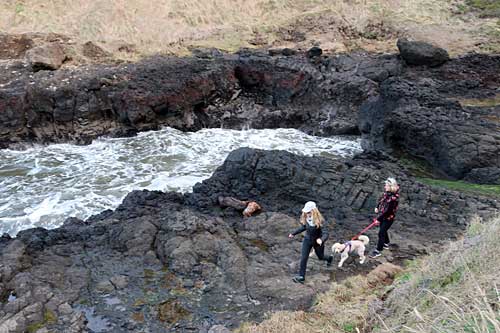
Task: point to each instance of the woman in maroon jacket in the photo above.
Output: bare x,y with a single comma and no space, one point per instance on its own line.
386,210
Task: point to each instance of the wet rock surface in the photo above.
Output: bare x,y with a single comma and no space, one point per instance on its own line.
164,261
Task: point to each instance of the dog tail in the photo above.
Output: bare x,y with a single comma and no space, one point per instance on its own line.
364,239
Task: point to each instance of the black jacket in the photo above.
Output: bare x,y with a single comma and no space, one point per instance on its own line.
313,233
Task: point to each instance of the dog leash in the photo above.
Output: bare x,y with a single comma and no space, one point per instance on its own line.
365,229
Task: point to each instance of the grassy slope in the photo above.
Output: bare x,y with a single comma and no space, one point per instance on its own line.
342,309
457,290
175,25
461,186
454,291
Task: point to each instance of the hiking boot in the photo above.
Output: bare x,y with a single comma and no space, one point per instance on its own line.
375,254
329,261
387,246
298,279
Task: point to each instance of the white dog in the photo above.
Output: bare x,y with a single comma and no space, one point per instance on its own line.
351,246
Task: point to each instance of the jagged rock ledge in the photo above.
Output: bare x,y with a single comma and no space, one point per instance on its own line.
178,262
442,111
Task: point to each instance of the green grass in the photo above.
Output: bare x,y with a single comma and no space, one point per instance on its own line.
472,327
476,227
349,327
404,277
426,303
486,8
149,273
416,167
452,278
19,8
461,294
49,318
411,263
461,186
34,327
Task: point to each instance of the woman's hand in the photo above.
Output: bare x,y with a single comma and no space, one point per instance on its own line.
376,210
290,236
377,222
319,241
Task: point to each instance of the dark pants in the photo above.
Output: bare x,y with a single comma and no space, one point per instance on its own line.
307,245
383,235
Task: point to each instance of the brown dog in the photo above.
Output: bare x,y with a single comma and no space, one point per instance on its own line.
248,207
251,208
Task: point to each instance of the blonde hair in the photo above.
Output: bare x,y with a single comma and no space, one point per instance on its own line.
316,216
393,185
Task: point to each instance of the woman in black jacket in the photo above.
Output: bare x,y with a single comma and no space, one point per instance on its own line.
313,224
386,210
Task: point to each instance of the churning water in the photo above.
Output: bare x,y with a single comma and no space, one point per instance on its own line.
44,185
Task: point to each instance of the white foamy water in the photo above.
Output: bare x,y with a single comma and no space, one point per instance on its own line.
42,186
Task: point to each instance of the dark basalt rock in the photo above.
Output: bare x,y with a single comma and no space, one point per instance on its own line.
406,110
248,89
421,114
421,53
314,52
484,176
164,261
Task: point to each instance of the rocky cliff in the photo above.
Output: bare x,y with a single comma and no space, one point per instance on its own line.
165,261
450,106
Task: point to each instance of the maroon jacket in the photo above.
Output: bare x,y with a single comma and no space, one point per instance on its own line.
387,206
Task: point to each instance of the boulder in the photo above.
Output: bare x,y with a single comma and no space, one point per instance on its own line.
285,51
15,46
314,52
46,57
93,51
489,176
207,53
421,53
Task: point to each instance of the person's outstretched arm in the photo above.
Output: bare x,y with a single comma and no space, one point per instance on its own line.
300,229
